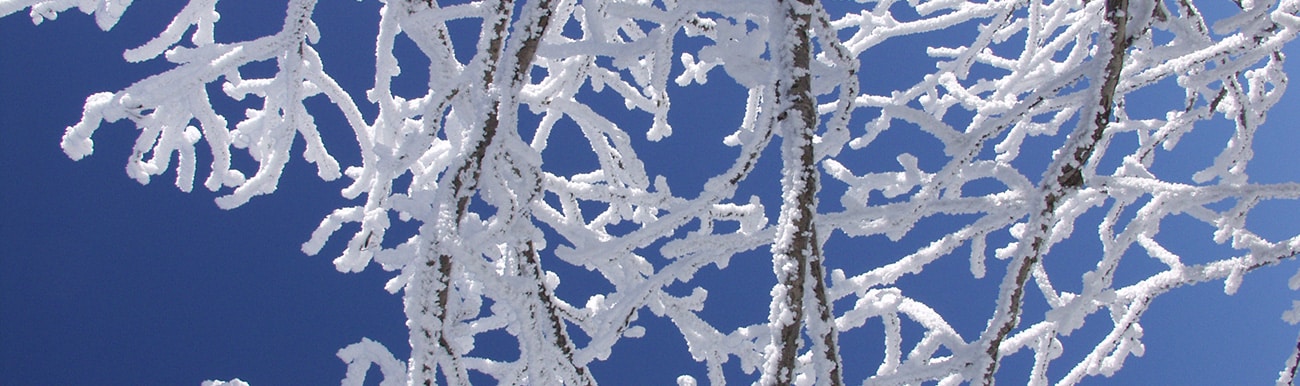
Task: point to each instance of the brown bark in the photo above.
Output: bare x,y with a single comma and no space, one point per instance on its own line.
1069,180
800,117
465,180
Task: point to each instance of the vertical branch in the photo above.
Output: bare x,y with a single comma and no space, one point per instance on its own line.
546,310
429,293
800,292
1057,187
464,182
1286,377
542,307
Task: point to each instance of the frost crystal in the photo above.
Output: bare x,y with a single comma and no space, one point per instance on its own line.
1027,127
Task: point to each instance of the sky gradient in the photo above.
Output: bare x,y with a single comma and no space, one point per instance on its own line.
104,279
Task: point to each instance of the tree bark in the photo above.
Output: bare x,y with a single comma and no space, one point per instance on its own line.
800,295
464,183
1056,189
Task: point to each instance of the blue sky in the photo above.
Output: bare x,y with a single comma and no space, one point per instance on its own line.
104,279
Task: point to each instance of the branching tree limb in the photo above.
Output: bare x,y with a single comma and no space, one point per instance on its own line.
496,228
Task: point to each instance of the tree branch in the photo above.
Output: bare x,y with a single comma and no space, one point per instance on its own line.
1286,377
797,257
1058,188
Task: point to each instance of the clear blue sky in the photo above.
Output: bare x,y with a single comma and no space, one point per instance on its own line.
103,279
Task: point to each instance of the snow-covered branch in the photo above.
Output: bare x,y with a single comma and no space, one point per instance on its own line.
1027,119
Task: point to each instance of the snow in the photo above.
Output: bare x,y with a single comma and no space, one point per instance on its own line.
490,217
361,355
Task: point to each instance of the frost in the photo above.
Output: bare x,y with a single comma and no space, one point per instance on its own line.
359,357
1005,127
686,380
1292,316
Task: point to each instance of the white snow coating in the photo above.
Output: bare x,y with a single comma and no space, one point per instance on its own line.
359,356
491,216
